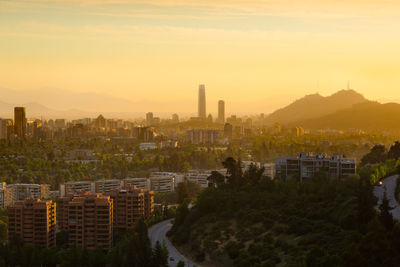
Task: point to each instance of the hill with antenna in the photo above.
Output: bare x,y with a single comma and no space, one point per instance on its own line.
315,106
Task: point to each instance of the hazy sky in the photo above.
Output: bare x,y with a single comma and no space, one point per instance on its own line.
254,54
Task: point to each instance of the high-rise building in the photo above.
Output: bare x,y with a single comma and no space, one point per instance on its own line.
228,131
130,205
19,122
88,220
202,102
175,118
221,111
149,118
3,128
33,221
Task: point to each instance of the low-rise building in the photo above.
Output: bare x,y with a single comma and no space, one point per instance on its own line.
162,182
72,187
140,183
106,186
33,221
25,191
306,166
147,146
199,177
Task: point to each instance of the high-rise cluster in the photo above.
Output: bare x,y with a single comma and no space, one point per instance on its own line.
88,218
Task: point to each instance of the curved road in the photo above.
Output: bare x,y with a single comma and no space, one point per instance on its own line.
158,233
388,185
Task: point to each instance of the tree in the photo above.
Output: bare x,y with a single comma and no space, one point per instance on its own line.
183,192
394,151
216,179
385,215
160,255
180,264
376,155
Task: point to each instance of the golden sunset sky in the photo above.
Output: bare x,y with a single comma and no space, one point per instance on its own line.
256,55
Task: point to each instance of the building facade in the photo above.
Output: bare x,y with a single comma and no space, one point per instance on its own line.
6,195
199,177
140,183
202,102
162,182
306,166
106,186
88,219
33,221
20,122
25,191
131,204
221,111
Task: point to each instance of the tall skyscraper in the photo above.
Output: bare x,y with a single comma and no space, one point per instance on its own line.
19,122
221,111
202,102
149,118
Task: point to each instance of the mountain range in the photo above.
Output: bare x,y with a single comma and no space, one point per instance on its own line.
315,105
345,109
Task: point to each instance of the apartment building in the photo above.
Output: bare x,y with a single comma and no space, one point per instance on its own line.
34,221
307,165
162,182
88,219
131,204
6,195
106,186
269,170
202,136
140,183
25,191
199,177
73,187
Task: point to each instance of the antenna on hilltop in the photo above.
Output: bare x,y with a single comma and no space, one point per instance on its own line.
348,85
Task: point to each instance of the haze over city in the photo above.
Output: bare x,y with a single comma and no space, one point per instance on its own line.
257,55
183,133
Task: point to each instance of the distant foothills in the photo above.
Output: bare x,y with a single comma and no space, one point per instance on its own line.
343,110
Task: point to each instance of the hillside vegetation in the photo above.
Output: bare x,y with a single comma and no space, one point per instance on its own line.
253,221
367,116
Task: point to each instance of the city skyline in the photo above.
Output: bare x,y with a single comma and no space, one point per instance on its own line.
254,54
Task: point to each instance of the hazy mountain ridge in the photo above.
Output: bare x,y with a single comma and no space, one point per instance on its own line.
368,116
315,105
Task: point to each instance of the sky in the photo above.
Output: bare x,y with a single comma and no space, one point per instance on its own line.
256,55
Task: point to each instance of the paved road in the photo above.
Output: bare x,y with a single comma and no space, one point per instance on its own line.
158,233
388,185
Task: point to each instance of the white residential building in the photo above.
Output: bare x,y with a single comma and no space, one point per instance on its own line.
25,191
162,182
306,166
106,186
199,177
72,187
140,183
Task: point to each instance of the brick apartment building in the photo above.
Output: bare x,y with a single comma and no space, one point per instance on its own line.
34,221
130,205
88,219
